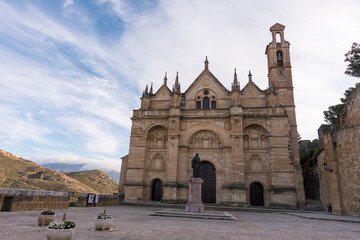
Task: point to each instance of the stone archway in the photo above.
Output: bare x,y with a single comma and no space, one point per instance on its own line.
157,190
256,194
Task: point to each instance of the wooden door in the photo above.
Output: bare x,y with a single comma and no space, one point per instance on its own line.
208,188
256,194
157,190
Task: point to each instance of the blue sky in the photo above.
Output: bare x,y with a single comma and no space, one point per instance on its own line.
71,72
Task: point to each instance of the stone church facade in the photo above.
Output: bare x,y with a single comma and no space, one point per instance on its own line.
246,139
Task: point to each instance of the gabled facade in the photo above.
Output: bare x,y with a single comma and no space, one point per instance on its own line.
246,139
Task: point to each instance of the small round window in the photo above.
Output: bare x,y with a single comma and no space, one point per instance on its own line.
206,92
198,97
213,97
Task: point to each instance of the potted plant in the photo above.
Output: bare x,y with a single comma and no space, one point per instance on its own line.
46,217
61,230
103,221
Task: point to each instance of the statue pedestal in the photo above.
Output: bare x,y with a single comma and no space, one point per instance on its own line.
195,204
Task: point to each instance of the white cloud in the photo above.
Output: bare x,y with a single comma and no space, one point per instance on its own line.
100,162
61,77
179,34
68,3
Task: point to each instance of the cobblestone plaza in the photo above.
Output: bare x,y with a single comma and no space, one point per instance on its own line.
135,223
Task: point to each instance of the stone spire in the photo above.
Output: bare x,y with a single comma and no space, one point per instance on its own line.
146,90
206,63
250,76
176,87
151,89
165,79
235,86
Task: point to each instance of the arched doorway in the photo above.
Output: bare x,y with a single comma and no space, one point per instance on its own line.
208,188
256,194
157,188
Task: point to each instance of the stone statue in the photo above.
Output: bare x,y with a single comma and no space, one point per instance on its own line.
195,164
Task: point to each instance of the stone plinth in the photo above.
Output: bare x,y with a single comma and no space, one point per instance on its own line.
195,204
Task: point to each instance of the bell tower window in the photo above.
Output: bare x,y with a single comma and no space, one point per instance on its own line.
279,59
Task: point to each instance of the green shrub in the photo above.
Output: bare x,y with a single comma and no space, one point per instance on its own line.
47,212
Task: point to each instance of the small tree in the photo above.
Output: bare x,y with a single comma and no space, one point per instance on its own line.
353,58
333,114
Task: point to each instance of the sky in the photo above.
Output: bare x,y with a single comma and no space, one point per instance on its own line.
72,71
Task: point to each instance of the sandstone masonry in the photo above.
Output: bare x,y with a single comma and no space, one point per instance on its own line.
341,187
246,139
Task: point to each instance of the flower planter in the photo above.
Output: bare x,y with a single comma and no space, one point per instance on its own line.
60,234
44,220
103,224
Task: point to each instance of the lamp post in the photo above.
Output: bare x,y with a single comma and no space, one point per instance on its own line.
325,167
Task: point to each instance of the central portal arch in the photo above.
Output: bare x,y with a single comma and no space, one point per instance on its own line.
208,189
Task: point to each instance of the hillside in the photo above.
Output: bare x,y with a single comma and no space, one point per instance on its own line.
79,167
96,179
20,173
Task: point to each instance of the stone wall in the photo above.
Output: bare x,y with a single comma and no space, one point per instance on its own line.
24,200
104,200
340,183
20,199
348,154
351,113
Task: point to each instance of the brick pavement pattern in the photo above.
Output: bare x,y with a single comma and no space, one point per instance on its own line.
134,223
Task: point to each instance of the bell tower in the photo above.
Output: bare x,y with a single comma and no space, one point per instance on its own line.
279,66
280,83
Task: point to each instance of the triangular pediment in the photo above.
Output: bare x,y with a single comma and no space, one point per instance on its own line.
277,27
163,93
206,80
251,90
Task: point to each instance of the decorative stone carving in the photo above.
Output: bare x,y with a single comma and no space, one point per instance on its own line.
206,82
237,127
227,125
157,137
173,140
156,161
183,126
205,139
255,137
237,141
256,163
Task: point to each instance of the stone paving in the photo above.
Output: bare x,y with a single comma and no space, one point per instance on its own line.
135,223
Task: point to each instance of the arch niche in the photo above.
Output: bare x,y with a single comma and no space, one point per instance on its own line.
209,146
155,162
257,164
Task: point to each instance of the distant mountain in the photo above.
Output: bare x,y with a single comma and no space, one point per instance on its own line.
96,179
71,167
20,173
113,174
64,167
